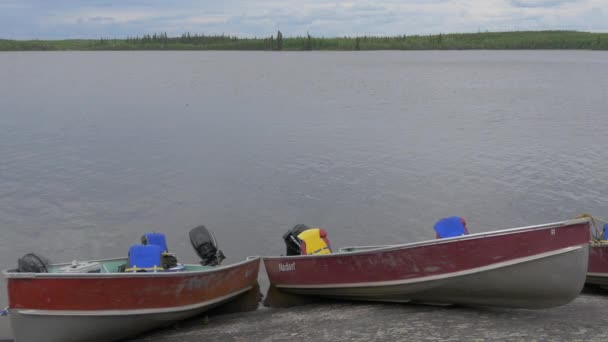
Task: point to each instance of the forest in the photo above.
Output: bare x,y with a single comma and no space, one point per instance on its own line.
277,42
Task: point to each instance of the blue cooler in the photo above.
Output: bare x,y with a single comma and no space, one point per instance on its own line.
155,239
449,227
145,257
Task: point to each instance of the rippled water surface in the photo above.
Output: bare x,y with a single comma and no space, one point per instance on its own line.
98,147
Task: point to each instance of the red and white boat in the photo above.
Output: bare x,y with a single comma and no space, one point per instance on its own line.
529,267
59,305
598,264
597,274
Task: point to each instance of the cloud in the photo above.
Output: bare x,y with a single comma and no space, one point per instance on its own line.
23,19
539,3
102,19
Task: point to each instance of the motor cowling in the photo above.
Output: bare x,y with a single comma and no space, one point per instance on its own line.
205,245
292,243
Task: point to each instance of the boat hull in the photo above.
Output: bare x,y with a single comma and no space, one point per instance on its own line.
533,267
109,307
598,265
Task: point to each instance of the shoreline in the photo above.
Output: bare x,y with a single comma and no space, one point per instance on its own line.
583,319
516,40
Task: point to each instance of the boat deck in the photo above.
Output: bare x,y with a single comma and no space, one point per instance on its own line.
114,265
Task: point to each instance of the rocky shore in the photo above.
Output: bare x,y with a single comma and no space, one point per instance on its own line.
584,319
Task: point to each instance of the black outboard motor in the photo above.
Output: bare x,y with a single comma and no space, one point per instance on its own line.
204,244
291,239
32,263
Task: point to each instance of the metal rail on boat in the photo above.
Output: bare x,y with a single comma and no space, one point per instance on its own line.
350,249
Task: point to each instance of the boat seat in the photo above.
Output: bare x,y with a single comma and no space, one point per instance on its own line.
155,239
144,257
450,227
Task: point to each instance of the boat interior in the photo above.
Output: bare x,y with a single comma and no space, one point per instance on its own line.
152,255
116,266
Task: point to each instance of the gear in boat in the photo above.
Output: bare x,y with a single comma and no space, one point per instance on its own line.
450,227
598,236
304,240
32,263
152,255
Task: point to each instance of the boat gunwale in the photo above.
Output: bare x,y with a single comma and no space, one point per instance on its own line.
13,274
598,274
390,248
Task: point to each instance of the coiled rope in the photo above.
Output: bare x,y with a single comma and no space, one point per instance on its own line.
596,222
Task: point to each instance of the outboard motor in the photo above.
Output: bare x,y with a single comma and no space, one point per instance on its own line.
291,239
32,263
204,244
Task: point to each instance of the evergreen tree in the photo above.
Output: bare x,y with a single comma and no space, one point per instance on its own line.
357,46
279,41
308,44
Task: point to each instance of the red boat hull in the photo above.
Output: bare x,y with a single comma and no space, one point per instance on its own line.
598,265
110,306
500,268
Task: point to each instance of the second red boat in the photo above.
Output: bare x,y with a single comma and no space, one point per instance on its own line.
529,267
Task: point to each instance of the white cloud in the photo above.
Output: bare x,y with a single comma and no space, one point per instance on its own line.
117,15
94,18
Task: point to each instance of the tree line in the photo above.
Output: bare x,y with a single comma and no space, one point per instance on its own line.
277,42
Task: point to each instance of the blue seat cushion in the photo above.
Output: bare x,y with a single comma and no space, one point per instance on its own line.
145,256
449,227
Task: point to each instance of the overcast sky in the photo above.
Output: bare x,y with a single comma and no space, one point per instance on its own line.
51,19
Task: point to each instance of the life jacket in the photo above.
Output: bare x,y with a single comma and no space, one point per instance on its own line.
314,241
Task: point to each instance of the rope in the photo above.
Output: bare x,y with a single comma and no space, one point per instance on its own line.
597,236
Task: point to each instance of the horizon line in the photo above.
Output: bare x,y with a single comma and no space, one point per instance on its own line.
307,34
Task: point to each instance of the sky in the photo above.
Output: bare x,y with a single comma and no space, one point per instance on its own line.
58,19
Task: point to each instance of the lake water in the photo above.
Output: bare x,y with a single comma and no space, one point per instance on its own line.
97,148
